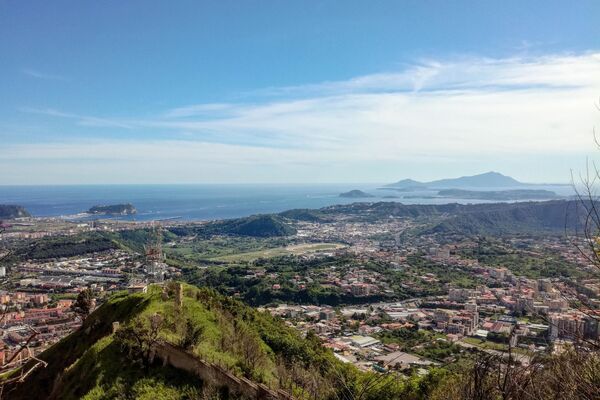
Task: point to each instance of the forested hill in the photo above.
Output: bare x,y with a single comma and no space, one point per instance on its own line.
13,211
500,219
478,219
264,225
256,225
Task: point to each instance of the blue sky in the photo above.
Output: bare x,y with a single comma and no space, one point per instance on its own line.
285,92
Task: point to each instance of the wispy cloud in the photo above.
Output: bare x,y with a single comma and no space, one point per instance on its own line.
83,120
470,73
43,75
451,110
210,110
459,107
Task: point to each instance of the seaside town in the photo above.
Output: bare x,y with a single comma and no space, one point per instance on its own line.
495,310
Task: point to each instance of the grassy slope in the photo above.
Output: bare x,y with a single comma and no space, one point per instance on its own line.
89,363
70,349
91,366
103,372
280,251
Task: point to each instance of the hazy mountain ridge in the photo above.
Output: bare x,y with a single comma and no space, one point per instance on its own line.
486,180
485,219
515,218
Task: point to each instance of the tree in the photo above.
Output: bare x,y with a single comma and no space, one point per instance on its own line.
191,335
248,347
140,337
84,303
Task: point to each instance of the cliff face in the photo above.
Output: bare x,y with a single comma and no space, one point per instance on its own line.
13,211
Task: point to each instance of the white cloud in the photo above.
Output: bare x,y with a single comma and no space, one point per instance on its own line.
490,110
198,110
42,75
82,120
456,108
465,73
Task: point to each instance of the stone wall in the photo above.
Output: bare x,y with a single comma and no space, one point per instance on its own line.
216,375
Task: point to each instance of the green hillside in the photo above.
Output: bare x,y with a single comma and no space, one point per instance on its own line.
94,363
264,225
515,218
256,225
305,214
532,217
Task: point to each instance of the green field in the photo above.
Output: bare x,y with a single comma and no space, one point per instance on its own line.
198,250
298,249
489,345
485,344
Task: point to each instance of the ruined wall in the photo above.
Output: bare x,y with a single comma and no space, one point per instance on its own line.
208,372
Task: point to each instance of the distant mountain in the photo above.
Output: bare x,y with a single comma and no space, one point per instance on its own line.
115,209
355,194
13,211
407,184
488,179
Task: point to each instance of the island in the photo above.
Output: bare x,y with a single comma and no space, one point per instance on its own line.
355,194
115,209
13,211
486,180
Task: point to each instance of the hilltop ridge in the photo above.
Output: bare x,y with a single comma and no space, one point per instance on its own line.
96,362
531,217
103,360
261,225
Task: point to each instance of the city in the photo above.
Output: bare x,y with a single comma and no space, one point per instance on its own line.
411,302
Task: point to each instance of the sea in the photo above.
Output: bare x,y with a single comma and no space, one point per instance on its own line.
207,202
